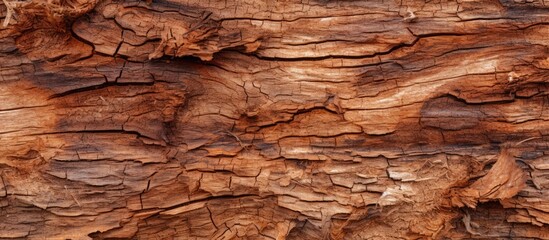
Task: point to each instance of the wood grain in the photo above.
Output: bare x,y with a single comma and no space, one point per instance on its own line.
274,119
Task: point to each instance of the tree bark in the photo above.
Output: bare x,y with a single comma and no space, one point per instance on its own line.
172,119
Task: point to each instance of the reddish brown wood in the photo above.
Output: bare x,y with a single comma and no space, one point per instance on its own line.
274,119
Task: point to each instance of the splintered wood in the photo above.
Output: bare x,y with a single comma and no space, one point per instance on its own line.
274,119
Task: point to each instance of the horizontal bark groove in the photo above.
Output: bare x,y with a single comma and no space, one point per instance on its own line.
274,120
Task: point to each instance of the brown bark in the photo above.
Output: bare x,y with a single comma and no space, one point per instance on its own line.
274,119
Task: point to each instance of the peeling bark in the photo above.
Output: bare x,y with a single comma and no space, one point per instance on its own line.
274,120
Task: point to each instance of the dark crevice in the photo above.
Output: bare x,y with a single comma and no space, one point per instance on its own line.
95,87
136,133
382,53
211,198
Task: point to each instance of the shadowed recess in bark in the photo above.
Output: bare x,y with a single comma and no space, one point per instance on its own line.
274,119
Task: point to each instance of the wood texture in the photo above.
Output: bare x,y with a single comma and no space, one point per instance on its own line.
252,119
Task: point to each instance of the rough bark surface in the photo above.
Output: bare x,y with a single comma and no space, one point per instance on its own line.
258,119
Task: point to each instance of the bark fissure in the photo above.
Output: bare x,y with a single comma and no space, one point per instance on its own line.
274,120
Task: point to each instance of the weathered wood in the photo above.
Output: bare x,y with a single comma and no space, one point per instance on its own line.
274,119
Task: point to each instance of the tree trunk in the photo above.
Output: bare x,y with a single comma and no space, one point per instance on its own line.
274,119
